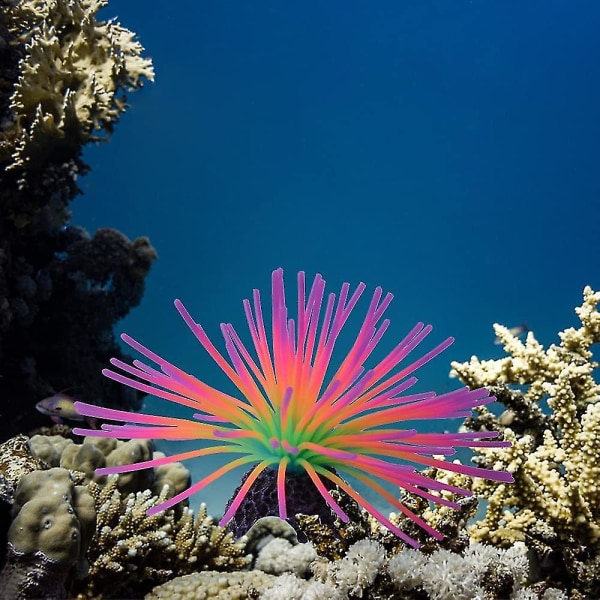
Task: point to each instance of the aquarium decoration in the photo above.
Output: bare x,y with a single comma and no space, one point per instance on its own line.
289,418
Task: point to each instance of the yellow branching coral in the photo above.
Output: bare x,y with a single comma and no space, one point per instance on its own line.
202,545
128,546
74,72
555,454
133,552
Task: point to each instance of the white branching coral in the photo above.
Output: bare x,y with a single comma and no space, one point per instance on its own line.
446,574
280,556
74,74
355,572
368,571
554,458
290,587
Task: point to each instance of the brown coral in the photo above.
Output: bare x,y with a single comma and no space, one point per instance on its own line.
132,552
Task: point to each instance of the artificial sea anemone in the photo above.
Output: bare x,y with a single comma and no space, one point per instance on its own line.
298,413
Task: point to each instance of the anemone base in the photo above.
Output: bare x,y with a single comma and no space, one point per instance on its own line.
261,501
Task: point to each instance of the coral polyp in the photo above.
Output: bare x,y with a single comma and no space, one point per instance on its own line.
291,416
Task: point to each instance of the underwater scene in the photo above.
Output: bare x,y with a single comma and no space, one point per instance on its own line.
299,300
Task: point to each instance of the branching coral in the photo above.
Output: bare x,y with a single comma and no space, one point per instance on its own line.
556,468
481,572
131,552
554,504
354,572
128,546
74,72
202,545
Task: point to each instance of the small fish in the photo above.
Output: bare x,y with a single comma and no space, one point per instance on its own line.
61,407
517,331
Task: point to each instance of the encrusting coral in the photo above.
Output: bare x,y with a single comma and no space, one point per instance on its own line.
52,515
291,424
554,504
53,522
245,585
16,460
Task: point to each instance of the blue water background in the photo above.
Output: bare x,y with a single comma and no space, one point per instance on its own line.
445,150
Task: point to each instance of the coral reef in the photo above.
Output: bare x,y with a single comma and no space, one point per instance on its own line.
524,548
73,531
97,527
368,571
64,74
554,504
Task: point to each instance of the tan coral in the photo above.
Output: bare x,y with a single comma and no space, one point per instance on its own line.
52,515
74,73
97,452
555,459
202,545
211,584
174,475
133,551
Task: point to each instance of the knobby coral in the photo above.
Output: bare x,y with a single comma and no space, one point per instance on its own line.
290,420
